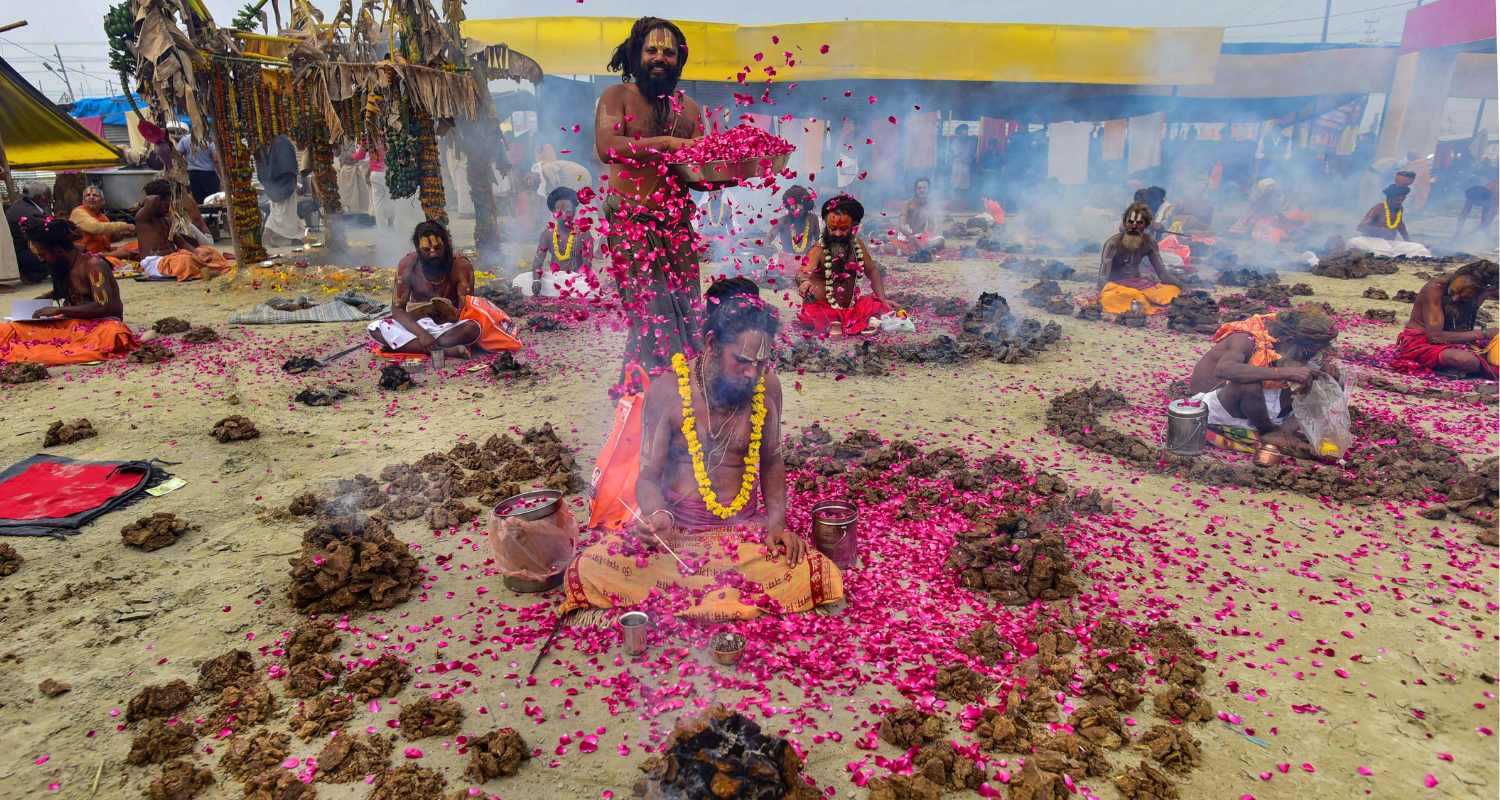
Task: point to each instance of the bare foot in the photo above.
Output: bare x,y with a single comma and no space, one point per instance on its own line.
457,351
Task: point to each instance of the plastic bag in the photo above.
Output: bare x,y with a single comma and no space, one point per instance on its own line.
894,323
534,550
1323,413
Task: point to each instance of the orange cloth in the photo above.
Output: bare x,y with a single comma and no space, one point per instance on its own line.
98,233
1265,344
599,579
496,332
1115,298
64,341
190,265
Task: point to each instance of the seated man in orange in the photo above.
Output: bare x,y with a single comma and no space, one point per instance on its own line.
97,233
829,280
710,539
86,325
1121,282
434,306
1442,334
168,245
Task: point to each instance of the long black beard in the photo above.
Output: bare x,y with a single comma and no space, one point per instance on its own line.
725,393
1459,315
438,268
659,93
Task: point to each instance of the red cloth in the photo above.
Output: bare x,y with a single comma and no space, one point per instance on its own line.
1415,353
52,490
820,316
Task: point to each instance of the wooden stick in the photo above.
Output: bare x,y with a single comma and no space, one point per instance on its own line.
547,645
93,790
637,514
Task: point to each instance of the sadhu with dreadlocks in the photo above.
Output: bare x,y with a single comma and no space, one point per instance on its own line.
1248,377
85,324
652,245
1442,332
831,273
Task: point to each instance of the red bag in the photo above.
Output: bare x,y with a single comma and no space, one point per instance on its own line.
613,493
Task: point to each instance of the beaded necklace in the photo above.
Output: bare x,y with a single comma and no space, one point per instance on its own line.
828,272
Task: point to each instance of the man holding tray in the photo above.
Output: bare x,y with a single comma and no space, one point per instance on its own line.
648,214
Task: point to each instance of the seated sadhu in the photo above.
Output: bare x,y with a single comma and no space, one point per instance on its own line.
168,245
86,324
1122,283
1442,334
97,233
712,487
433,306
795,233
564,260
1246,378
1383,223
916,233
831,272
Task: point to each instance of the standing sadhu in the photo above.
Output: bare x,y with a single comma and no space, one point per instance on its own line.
652,245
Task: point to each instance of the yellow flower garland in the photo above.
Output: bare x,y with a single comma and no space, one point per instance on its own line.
695,447
562,258
806,237
1388,224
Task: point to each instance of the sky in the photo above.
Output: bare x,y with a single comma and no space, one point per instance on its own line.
74,28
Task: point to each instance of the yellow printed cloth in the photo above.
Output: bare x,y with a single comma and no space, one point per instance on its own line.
1115,298
733,577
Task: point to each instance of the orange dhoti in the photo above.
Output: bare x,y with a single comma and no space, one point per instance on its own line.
1115,298
187,265
496,331
64,341
733,577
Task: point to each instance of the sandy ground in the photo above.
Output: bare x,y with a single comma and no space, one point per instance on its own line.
1344,638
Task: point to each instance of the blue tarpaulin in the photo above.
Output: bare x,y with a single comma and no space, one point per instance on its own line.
112,109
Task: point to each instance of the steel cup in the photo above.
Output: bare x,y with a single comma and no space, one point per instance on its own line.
633,626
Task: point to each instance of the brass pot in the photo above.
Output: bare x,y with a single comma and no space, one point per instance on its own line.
1269,455
527,586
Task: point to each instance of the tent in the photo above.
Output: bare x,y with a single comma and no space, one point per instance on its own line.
37,135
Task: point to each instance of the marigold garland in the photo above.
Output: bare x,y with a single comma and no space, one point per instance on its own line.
1389,225
695,447
566,253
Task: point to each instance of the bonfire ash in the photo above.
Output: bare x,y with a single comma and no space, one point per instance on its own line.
722,754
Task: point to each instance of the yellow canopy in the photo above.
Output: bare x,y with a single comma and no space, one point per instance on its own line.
938,51
37,135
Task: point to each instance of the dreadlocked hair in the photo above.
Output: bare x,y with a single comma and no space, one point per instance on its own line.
1307,325
628,54
1484,274
627,58
734,306
50,232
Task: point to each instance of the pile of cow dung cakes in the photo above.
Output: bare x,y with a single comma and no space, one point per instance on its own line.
1194,312
989,331
723,754
1247,277
1111,673
1046,294
350,558
1351,265
1404,466
810,356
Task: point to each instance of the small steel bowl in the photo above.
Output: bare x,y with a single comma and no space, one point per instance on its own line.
530,510
727,648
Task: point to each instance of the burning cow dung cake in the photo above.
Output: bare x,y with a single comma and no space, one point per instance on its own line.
24,372
723,754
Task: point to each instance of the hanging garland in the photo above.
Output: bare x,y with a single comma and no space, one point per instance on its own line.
434,201
244,212
401,170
